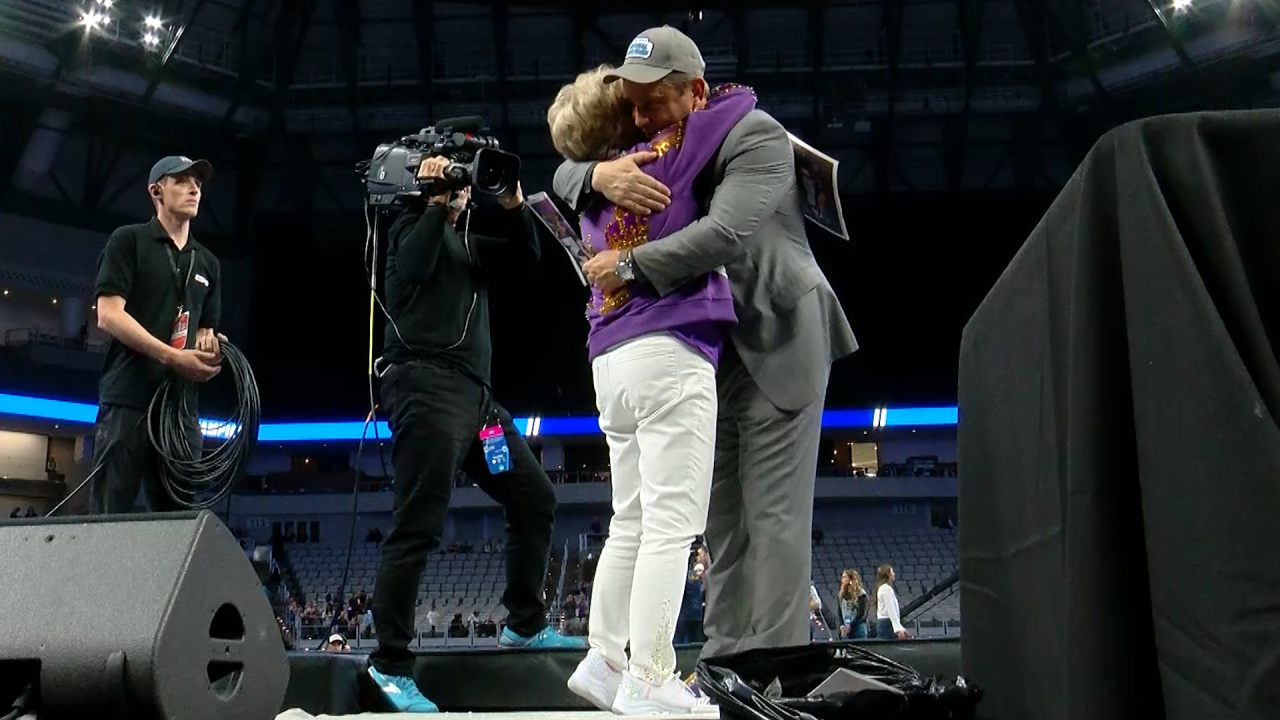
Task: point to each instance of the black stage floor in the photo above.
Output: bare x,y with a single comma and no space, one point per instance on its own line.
514,680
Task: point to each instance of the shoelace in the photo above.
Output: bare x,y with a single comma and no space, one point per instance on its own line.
407,686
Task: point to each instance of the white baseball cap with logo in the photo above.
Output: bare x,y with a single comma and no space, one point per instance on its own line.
656,53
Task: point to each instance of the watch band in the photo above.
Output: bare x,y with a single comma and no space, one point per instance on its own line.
626,268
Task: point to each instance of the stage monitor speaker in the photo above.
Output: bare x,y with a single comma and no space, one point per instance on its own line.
138,616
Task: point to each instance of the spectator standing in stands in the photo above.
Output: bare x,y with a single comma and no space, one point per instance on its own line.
774,371
888,614
433,620
437,393
159,299
695,589
853,606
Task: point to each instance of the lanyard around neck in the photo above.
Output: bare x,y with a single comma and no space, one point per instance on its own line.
173,265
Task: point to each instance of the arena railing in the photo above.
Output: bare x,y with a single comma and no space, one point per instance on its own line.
311,635
564,567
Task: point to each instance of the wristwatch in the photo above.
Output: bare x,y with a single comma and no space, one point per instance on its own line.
626,267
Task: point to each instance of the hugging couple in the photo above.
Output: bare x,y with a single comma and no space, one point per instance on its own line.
712,335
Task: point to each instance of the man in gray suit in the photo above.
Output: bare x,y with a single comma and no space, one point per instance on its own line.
773,375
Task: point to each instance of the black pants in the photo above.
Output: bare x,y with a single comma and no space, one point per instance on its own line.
436,415
689,632
123,449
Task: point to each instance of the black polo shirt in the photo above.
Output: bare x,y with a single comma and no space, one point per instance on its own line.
142,265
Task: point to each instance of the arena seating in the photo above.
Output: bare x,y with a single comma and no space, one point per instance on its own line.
466,582
455,582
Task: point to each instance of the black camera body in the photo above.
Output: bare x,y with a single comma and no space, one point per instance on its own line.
476,161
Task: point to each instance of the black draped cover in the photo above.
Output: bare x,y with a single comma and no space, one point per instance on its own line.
1119,394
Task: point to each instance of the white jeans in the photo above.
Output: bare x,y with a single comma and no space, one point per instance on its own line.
657,402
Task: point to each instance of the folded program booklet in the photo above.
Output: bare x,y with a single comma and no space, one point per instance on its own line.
818,176
561,229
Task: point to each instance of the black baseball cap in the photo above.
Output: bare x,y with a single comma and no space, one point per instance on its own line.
656,53
179,165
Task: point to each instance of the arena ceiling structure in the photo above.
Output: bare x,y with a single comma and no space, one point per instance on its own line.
285,96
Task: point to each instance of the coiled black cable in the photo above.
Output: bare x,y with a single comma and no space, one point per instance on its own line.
192,478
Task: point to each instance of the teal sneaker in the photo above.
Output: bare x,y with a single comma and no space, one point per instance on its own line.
544,639
402,693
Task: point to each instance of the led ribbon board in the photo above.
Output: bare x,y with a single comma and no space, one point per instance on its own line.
533,426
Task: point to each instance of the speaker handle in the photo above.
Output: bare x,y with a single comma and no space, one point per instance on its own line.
114,674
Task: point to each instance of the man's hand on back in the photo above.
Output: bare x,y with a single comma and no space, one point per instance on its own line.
626,185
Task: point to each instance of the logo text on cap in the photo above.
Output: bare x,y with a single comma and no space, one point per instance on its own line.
640,48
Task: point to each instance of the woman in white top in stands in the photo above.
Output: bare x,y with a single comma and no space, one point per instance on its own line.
888,614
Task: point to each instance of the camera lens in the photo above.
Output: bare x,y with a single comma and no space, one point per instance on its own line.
489,178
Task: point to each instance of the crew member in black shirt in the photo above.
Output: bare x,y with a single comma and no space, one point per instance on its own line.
437,395
159,300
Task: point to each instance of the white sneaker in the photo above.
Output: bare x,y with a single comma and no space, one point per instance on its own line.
595,681
637,697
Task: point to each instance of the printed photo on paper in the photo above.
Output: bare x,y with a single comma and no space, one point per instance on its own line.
818,176
561,229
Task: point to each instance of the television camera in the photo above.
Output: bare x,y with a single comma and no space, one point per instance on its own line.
476,161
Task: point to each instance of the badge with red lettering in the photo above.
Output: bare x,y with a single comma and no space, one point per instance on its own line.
178,336
496,454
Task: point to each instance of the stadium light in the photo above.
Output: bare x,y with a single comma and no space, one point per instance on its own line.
153,23
535,426
150,40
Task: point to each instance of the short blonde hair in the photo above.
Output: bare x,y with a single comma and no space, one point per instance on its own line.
588,116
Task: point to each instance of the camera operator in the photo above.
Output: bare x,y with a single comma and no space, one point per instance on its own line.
439,403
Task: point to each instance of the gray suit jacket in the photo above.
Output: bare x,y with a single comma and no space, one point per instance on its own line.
790,324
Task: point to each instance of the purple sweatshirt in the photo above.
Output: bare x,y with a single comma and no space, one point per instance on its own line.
700,311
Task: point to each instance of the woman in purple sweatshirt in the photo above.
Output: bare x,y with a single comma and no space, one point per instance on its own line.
654,364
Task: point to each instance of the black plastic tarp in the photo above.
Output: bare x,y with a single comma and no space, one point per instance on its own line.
784,684
1119,389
